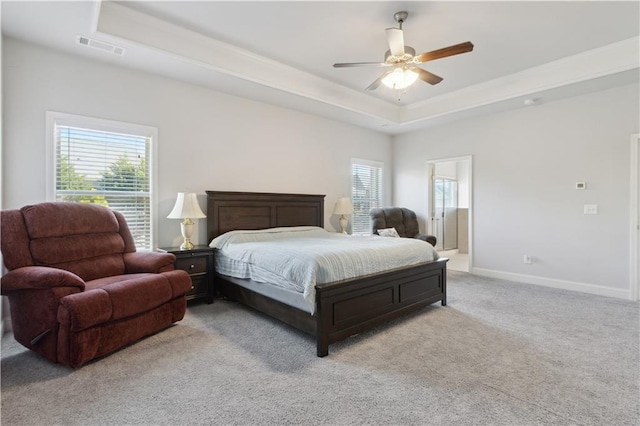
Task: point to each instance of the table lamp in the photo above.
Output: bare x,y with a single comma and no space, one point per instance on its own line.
186,208
343,208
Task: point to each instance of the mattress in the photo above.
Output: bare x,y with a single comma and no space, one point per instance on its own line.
273,291
298,258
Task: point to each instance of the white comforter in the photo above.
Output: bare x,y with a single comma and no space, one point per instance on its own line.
298,258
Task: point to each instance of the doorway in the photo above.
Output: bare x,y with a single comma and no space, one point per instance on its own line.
449,209
634,223
446,213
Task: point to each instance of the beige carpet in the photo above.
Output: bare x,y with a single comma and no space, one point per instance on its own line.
500,353
457,261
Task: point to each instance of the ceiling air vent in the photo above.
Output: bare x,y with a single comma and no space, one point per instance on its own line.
100,45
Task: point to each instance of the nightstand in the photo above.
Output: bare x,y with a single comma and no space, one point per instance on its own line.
198,262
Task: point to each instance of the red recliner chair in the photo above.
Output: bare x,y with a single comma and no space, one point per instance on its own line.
77,288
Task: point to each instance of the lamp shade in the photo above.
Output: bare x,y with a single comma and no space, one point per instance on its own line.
186,207
343,206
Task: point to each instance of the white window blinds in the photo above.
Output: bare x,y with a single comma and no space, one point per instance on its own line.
108,168
366,193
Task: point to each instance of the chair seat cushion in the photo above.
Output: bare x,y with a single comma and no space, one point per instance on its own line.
117,297
178,280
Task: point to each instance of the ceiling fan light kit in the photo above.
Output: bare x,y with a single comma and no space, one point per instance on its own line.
400,78
402,60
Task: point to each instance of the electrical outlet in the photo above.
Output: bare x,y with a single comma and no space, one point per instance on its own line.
526,259
590,209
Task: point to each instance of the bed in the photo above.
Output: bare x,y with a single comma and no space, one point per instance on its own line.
342,308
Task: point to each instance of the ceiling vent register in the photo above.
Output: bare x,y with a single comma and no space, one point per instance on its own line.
100,45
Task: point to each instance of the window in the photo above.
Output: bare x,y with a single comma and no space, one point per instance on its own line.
104,162
366,193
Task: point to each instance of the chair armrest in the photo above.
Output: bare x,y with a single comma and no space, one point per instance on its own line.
83,310
150,262
38,278
431,239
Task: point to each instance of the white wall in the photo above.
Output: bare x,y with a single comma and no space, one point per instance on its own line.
207,140
525,162
462,170
3,300
525,166
447,170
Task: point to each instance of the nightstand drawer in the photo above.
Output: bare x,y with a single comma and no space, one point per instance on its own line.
193,265
200,286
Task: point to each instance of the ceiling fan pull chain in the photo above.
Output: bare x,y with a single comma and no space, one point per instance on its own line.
400,92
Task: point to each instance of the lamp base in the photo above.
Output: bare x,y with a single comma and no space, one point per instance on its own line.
186,227
186,245
343,223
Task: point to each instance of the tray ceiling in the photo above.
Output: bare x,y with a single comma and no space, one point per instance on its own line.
282,52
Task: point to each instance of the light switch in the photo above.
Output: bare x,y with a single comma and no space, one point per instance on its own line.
590,209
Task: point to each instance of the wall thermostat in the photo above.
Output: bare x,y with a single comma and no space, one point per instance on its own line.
581,185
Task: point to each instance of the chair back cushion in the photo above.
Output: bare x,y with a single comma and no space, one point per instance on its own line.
86,239
402,219
14,240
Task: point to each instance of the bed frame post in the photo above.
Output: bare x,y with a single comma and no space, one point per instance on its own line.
444,285
322,335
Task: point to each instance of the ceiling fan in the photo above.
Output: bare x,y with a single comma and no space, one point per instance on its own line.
402,60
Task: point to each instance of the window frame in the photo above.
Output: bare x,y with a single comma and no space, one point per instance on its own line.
54,118
371,164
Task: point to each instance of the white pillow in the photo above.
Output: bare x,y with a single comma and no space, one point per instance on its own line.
269,234
388,232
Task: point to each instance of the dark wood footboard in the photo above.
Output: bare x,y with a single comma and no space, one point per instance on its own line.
353,306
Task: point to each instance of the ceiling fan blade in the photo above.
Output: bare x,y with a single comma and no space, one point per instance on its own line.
360,64
456,49
395,38
427,76
378,81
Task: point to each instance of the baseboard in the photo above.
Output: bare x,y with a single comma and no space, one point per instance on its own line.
5,317
5,326
554,283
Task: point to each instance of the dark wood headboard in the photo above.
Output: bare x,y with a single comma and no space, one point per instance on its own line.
228,211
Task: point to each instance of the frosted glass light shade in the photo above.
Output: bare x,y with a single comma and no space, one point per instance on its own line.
400,78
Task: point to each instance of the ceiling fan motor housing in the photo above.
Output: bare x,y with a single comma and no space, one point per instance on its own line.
409,53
